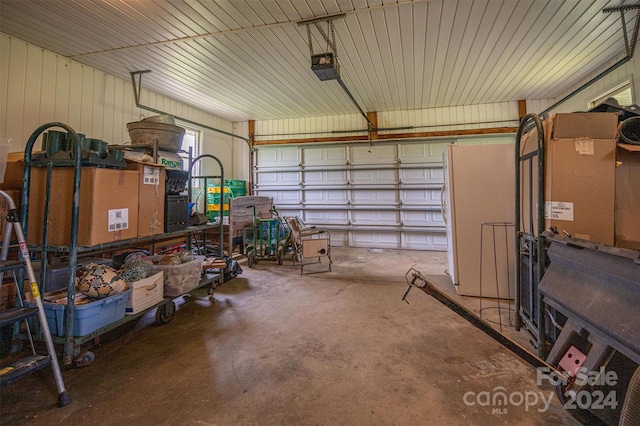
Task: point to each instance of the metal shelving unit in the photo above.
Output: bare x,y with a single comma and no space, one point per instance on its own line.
72,350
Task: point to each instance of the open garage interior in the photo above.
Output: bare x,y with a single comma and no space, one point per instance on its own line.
213,212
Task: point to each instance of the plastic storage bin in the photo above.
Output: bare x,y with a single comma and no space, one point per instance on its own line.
145,293
87,318
182,278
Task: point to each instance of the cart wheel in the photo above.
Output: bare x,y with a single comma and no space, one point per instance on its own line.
280,255
165,313
84,359
250,258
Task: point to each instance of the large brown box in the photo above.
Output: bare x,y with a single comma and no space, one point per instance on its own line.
14,172
628,197
108,206
580,175
151,192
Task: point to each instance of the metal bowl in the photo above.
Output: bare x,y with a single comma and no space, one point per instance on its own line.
168,136
163,118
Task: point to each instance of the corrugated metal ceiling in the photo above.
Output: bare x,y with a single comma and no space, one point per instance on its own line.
249,59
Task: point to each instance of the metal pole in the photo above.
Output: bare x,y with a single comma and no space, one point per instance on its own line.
136,95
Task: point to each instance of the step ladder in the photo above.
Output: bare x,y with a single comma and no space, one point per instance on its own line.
32,362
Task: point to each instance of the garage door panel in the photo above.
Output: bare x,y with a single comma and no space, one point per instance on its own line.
326,217
372,197
288,211
437,150
373,217
422,218
373,177
339,238
424,241
282,197
375,239
422,176
321,197
278,157
411,153
329,177
422,153
406,175
421,197
279,179
330,156
379,154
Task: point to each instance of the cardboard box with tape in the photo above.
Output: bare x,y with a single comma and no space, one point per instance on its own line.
108,206
579,174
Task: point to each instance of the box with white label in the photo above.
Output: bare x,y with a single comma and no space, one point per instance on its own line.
108,206
151,189
580,175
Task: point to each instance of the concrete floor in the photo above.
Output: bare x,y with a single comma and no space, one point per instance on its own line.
274,348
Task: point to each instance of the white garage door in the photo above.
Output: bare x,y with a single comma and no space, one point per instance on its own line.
384,196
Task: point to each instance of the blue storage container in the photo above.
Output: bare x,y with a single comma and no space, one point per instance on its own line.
88,317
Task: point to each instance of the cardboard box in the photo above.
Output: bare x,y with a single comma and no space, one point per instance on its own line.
627,201
4,210
7,296
108,206
14,171
580,176
151,189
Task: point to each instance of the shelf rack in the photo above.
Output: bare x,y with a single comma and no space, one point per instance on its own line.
72,344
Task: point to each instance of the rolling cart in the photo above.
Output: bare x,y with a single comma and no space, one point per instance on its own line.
267,239
72,342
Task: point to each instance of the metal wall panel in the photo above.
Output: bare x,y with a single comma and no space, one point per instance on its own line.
398,55
38,86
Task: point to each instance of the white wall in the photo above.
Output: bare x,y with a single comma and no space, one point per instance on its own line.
38,86
465,117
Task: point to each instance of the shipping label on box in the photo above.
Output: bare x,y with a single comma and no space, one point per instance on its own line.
558,210
118,220
151,198
151,175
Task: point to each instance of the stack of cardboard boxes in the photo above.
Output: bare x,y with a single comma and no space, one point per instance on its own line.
592,184
114,204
